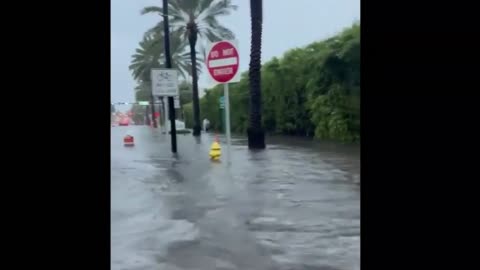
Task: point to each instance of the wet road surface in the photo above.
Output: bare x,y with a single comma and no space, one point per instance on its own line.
294,206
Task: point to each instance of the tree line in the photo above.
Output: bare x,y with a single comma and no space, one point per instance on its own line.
310,91
192,24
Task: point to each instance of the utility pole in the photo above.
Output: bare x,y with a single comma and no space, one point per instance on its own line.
168,64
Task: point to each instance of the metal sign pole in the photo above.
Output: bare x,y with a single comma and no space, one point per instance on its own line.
167,115
227,120
223,64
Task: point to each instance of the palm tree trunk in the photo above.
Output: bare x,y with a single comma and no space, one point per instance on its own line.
192,39
256,134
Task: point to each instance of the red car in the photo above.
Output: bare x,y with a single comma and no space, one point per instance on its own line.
124,122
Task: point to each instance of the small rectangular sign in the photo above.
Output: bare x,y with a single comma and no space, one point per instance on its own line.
221,100
143,103
164,82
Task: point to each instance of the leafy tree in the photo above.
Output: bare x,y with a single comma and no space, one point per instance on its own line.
185,89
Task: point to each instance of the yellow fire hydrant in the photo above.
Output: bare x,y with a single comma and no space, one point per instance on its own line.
215,151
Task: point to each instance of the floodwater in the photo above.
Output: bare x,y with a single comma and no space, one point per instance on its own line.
295,205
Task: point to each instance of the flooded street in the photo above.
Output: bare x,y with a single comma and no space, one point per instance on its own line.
295,205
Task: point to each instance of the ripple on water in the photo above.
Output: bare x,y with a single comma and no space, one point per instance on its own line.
147,246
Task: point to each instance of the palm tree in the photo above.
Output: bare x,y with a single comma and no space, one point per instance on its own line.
256,134
196,19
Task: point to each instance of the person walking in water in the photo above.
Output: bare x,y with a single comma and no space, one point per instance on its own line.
206,125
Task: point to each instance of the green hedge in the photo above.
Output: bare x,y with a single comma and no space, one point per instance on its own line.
310,91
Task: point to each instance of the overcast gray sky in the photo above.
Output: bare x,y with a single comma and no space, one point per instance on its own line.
287,24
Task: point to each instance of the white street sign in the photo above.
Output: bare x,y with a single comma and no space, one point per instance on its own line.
164,82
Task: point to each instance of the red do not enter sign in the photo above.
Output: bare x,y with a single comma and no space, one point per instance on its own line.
223,61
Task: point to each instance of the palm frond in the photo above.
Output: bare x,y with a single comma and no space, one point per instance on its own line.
152,9
220,8
145,58
157,29
186,6
182,68
176,16
224,32
214,31
203,5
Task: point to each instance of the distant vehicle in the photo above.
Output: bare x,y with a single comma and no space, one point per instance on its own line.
124,122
